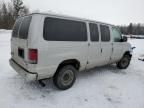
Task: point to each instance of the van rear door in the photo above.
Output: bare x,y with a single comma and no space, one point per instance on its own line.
19,41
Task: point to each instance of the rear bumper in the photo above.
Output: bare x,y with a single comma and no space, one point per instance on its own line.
28,76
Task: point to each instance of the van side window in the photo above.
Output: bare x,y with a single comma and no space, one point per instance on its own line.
94,33
56,29
24,29
116,35
105,33
16,28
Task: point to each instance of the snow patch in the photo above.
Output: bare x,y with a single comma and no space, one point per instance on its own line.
104,87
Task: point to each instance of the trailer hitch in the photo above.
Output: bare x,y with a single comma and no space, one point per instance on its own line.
41,83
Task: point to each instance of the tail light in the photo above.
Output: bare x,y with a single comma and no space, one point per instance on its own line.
33,56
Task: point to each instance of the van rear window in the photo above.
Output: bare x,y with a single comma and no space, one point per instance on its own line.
24,28
16,28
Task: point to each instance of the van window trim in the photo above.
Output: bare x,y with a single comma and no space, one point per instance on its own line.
28,28
19,26
71,19
101,33
22,18
113,27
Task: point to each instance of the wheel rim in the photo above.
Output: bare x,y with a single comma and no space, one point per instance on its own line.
124,62
67,77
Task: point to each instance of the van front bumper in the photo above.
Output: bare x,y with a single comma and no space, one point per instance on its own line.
28,76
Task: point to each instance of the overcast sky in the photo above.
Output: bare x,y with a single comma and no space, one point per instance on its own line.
111,11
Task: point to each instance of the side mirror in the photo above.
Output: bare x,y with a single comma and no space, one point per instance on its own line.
124,39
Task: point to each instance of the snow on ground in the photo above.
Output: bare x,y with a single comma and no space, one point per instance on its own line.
104,87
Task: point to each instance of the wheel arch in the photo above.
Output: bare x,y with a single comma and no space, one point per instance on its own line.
73,62
128,53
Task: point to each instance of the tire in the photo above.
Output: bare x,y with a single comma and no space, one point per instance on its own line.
65,77
124,62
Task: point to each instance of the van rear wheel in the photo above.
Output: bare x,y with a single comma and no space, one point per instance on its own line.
124,62
65,77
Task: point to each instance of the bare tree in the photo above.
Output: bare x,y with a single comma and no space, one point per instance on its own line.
24,11
9,11
1,15
135,29
11,19
18,6
4,16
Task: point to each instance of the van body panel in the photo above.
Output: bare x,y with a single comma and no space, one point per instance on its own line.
52,53
24,73
117,51
106,48
94,50
118,47
19,49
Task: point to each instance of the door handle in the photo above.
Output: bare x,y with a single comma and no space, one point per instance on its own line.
88,44
101,50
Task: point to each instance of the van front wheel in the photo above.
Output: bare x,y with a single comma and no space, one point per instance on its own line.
124,62
65,77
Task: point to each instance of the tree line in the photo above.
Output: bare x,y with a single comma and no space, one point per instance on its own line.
10,11
134,29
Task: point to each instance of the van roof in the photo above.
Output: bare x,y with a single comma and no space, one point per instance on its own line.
67,16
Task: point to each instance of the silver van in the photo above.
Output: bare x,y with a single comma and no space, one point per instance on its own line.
55,46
